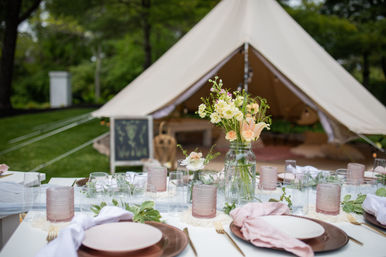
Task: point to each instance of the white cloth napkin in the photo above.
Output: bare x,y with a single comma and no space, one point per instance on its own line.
305,169
71,237
376,205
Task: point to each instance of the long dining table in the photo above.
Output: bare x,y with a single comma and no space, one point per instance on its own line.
27,240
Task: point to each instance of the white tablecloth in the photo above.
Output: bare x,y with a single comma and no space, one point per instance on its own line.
27,240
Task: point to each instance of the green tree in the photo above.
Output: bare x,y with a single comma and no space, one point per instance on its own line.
12,13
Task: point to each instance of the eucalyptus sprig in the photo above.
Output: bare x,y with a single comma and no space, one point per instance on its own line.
142,212
381,192
381,178
353,205
284,197
229,207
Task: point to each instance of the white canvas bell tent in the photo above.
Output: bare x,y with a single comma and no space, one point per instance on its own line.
289,68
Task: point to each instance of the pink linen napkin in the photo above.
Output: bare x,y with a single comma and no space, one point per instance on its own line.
71,237
261,234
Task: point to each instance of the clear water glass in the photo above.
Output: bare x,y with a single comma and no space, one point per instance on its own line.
204,201
120,187
379,165
98,185
60,203
355,173
298,190
185,172
31,192
176,199
268,178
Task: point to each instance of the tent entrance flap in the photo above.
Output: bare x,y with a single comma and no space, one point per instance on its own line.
322,117
165,111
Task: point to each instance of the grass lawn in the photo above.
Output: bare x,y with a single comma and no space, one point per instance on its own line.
78,164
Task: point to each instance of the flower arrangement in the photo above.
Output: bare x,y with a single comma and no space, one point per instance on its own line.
242,116
194,161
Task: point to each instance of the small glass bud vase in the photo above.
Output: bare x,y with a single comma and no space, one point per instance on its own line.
195,181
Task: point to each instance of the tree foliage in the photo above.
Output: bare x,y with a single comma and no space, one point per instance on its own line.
106,44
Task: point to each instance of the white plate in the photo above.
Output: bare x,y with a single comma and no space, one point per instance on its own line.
121,237
295,226
286,176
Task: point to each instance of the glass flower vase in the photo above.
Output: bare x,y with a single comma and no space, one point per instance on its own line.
195,181
240,173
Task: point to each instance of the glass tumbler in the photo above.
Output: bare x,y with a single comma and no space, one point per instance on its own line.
328,198
157,176
204,201
298,190
60,203
97,185
176,197
268,178
355,173
379,165
31,192
185,172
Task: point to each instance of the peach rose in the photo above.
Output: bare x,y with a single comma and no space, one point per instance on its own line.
231,135
195,156
248,135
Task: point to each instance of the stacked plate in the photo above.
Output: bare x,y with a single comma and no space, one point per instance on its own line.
132,239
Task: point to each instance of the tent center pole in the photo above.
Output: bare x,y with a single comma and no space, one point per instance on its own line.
246,68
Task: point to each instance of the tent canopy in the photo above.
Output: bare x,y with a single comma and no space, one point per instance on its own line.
289,69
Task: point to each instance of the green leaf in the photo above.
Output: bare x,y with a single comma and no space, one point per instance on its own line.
381,192
115,202
346,198
360,198
147,205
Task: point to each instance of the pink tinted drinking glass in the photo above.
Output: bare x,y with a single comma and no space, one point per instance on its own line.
60,203
204,201
157,177
268,178
328,198
355,173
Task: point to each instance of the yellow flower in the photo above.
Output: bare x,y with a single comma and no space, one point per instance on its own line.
201,110
228,112
253,108
231,136
215,118
239,116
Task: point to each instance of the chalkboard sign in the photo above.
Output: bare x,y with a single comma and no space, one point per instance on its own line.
131,140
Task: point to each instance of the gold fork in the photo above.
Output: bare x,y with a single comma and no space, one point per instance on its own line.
52,234
220,230
355,222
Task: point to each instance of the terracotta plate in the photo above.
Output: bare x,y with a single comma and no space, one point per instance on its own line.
332,239
373,220
172,243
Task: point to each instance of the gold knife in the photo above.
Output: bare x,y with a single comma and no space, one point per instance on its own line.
190,241
354,240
